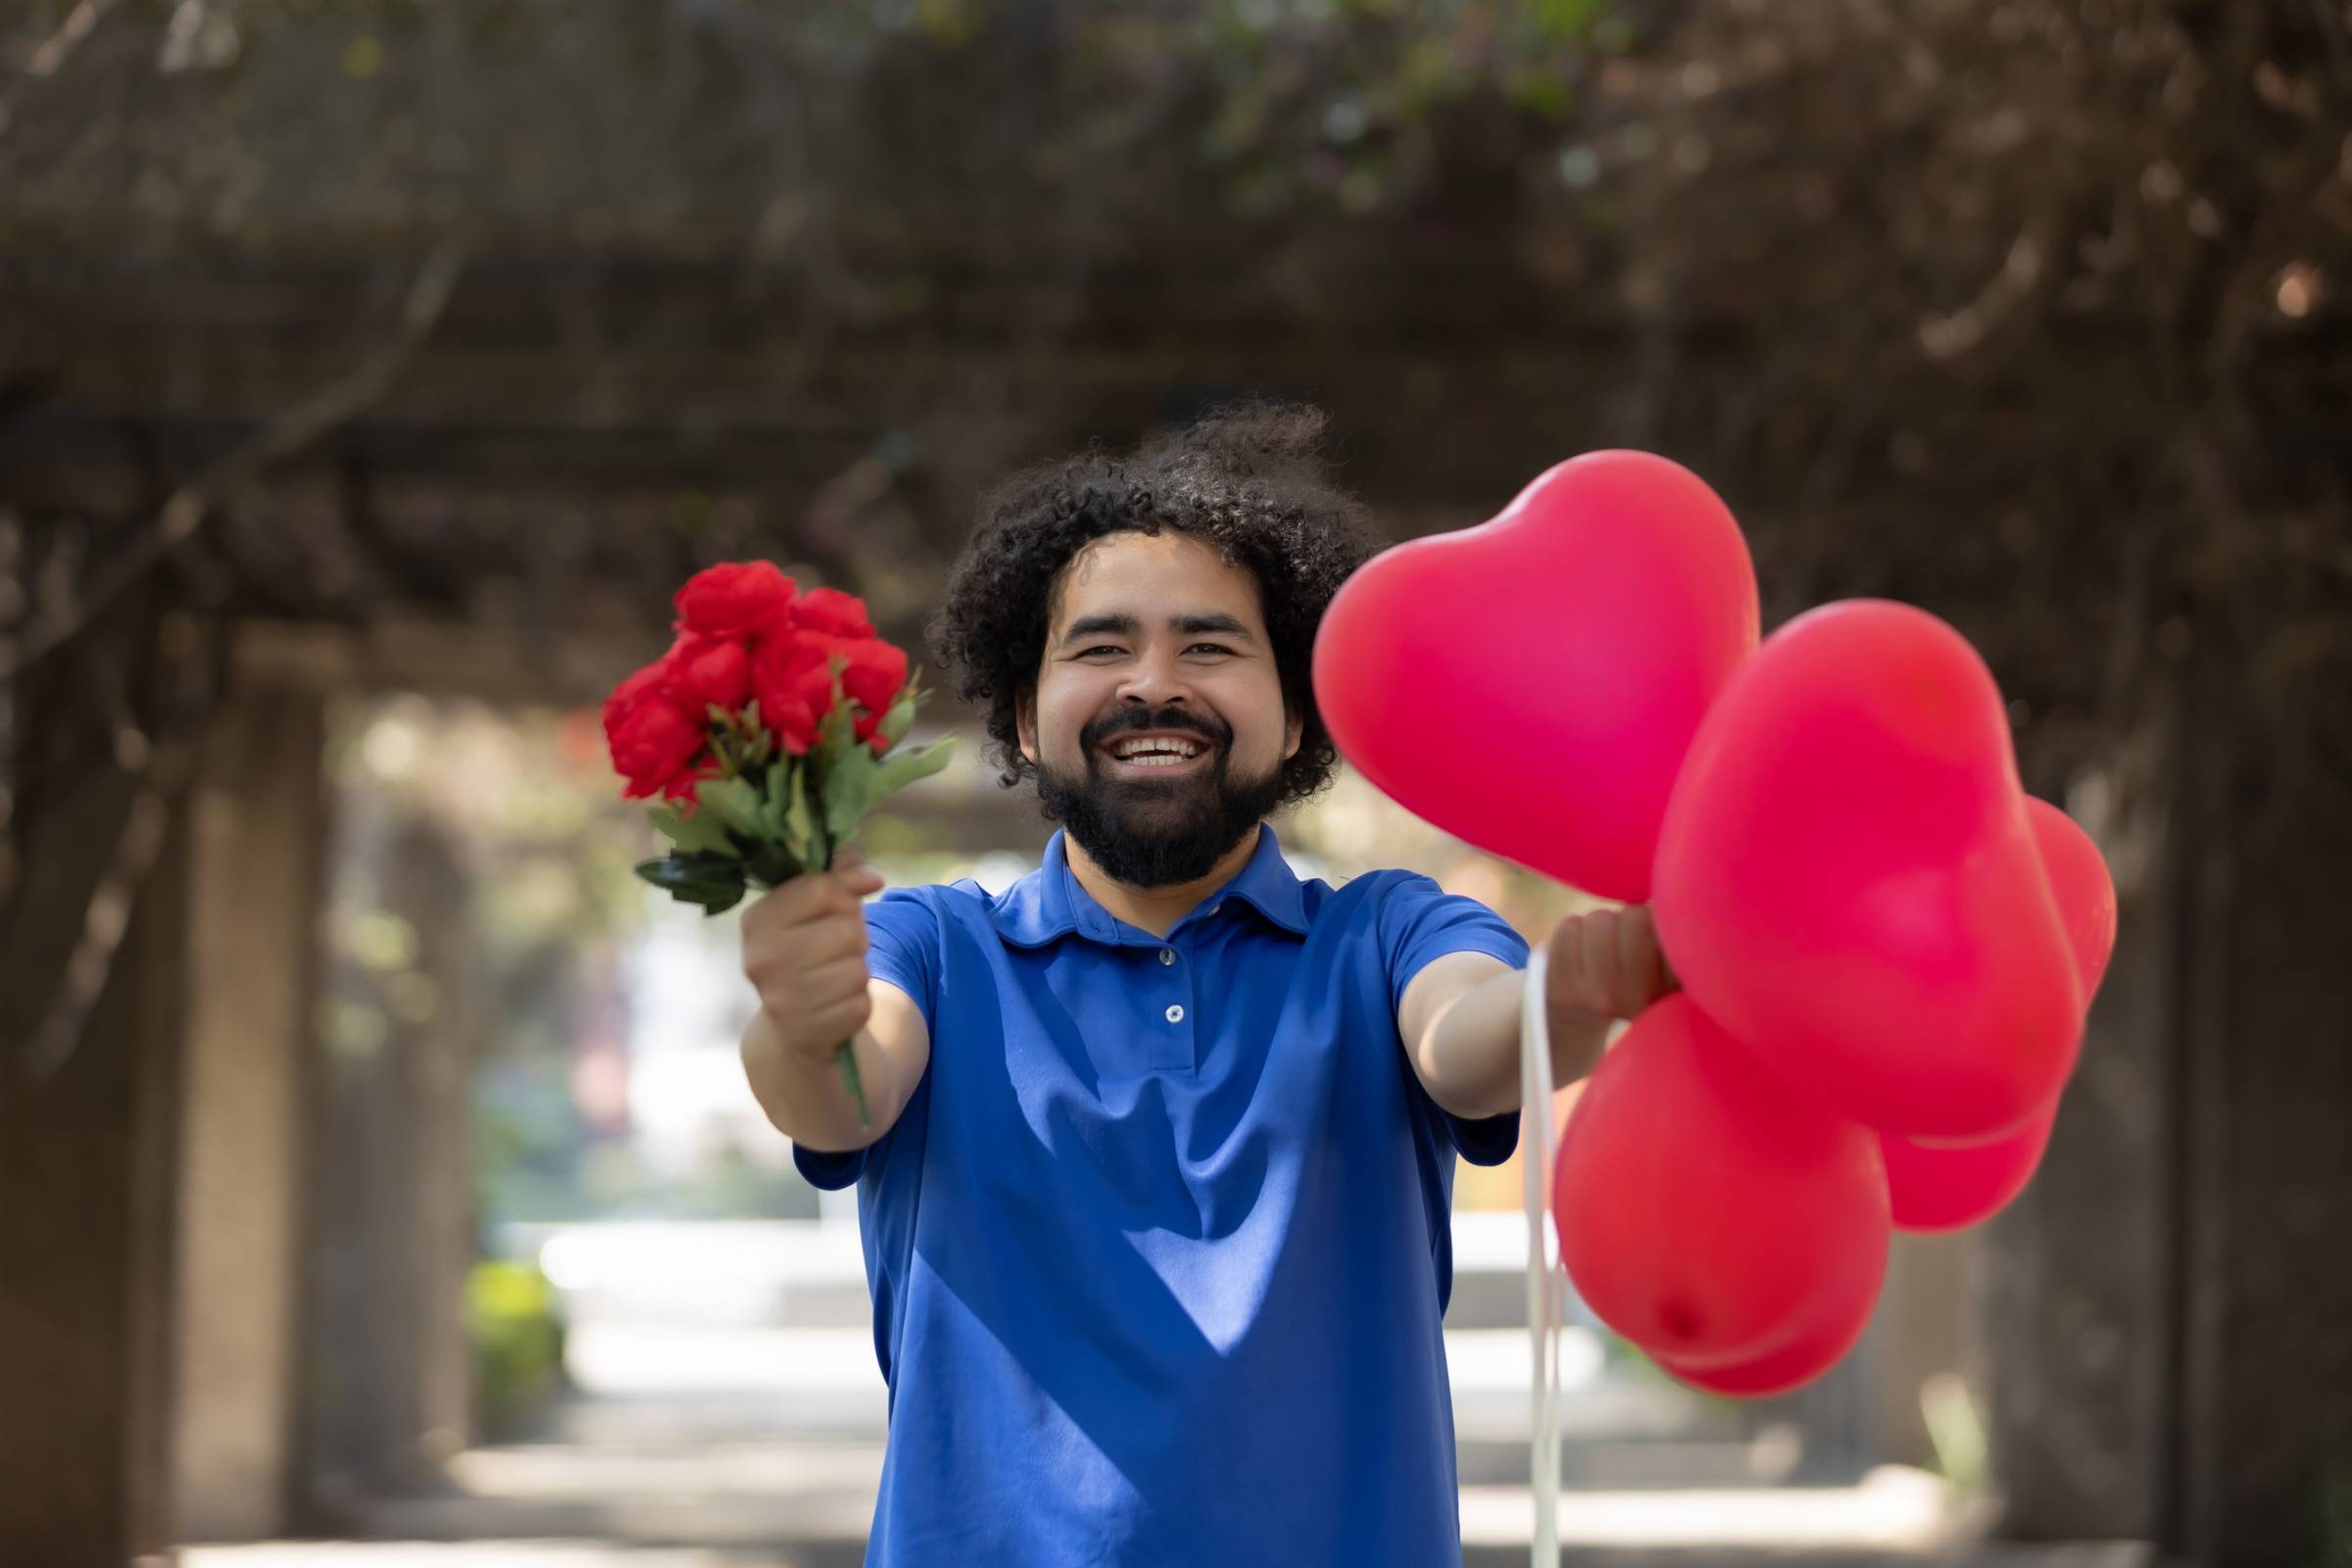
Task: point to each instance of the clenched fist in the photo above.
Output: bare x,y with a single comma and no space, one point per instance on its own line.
1603,965
803,951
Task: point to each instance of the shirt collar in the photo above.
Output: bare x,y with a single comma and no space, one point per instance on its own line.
1050,904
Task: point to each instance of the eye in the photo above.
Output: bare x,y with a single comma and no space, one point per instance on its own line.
1101,648
1213,648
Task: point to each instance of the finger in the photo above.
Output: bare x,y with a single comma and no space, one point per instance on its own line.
1657,980
798,948
1636,972
837,1021
1603,971
796,903
767,916
831,984
1561,983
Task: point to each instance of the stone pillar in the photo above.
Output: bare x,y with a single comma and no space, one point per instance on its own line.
245,1115
1924,1330
393,1226
2264,1412
86,1145
2073,1281
2168,1309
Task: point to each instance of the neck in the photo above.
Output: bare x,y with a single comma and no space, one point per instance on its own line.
1155,909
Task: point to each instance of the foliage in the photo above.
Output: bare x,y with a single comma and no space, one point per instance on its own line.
768,816
524,806
2332,1516
518,1335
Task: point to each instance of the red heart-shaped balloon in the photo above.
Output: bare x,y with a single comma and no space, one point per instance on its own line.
1827,1335
1848,882
2080,883
1941,1189
1707,1211
1531,684
1934,1188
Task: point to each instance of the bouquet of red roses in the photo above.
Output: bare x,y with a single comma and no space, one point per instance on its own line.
768,731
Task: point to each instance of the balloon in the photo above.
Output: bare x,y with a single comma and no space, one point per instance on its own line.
1945,1188
1706,1210
1531,684
1941,1189
1847,880
1816,1348
2084,892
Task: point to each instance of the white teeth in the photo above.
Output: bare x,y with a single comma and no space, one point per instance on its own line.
1149,752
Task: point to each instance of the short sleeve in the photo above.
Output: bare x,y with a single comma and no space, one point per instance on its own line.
902,944
1421,922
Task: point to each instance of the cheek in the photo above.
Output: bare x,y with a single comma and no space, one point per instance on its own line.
1064,709
1260,726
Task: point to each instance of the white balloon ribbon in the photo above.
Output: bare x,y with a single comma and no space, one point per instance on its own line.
1542,1294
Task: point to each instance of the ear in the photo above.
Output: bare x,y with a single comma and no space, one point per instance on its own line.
1024,724
1293,730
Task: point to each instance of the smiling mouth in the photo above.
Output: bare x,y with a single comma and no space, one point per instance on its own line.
1156,751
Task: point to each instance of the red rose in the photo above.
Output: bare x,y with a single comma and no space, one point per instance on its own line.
829,609
630,693
792,685
654,739
709,670
873,673
734,599
792,673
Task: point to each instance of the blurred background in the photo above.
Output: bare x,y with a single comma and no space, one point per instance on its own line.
377,1183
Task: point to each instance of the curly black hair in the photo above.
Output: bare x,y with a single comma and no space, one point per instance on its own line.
1248,479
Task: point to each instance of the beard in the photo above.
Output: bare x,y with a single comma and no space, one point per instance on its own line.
1153,832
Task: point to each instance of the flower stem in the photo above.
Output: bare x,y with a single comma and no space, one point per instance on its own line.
847,1057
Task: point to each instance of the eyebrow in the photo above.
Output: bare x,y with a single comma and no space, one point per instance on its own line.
1123,626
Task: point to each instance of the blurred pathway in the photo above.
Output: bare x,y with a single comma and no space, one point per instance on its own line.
728,1414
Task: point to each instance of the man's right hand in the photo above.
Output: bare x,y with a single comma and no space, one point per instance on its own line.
803,951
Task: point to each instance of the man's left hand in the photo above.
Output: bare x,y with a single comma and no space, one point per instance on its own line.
1603,966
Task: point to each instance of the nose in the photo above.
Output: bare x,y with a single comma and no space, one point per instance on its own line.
1156,681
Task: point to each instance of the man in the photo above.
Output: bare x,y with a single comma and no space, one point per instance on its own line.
1155,1195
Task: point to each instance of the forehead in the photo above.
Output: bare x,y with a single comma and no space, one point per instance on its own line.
1150,577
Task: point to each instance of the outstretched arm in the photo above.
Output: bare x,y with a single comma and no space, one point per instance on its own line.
1460,1016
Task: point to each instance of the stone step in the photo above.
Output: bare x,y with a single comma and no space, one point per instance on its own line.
1608,1465
798,1506
1893,1517
727,1382
583,1553
1888,1511
805,1274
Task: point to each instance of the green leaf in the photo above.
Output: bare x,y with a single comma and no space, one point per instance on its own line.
848,790
902,768
837,731
701,831
734,802
801,822
775,817
712,881
901,718
771,865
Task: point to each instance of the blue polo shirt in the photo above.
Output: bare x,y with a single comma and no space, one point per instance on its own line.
1160,1248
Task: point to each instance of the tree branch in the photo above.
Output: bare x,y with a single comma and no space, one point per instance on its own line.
185,510
164,775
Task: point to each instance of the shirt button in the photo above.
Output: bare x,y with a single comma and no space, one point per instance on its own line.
1167,955
1175,1015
